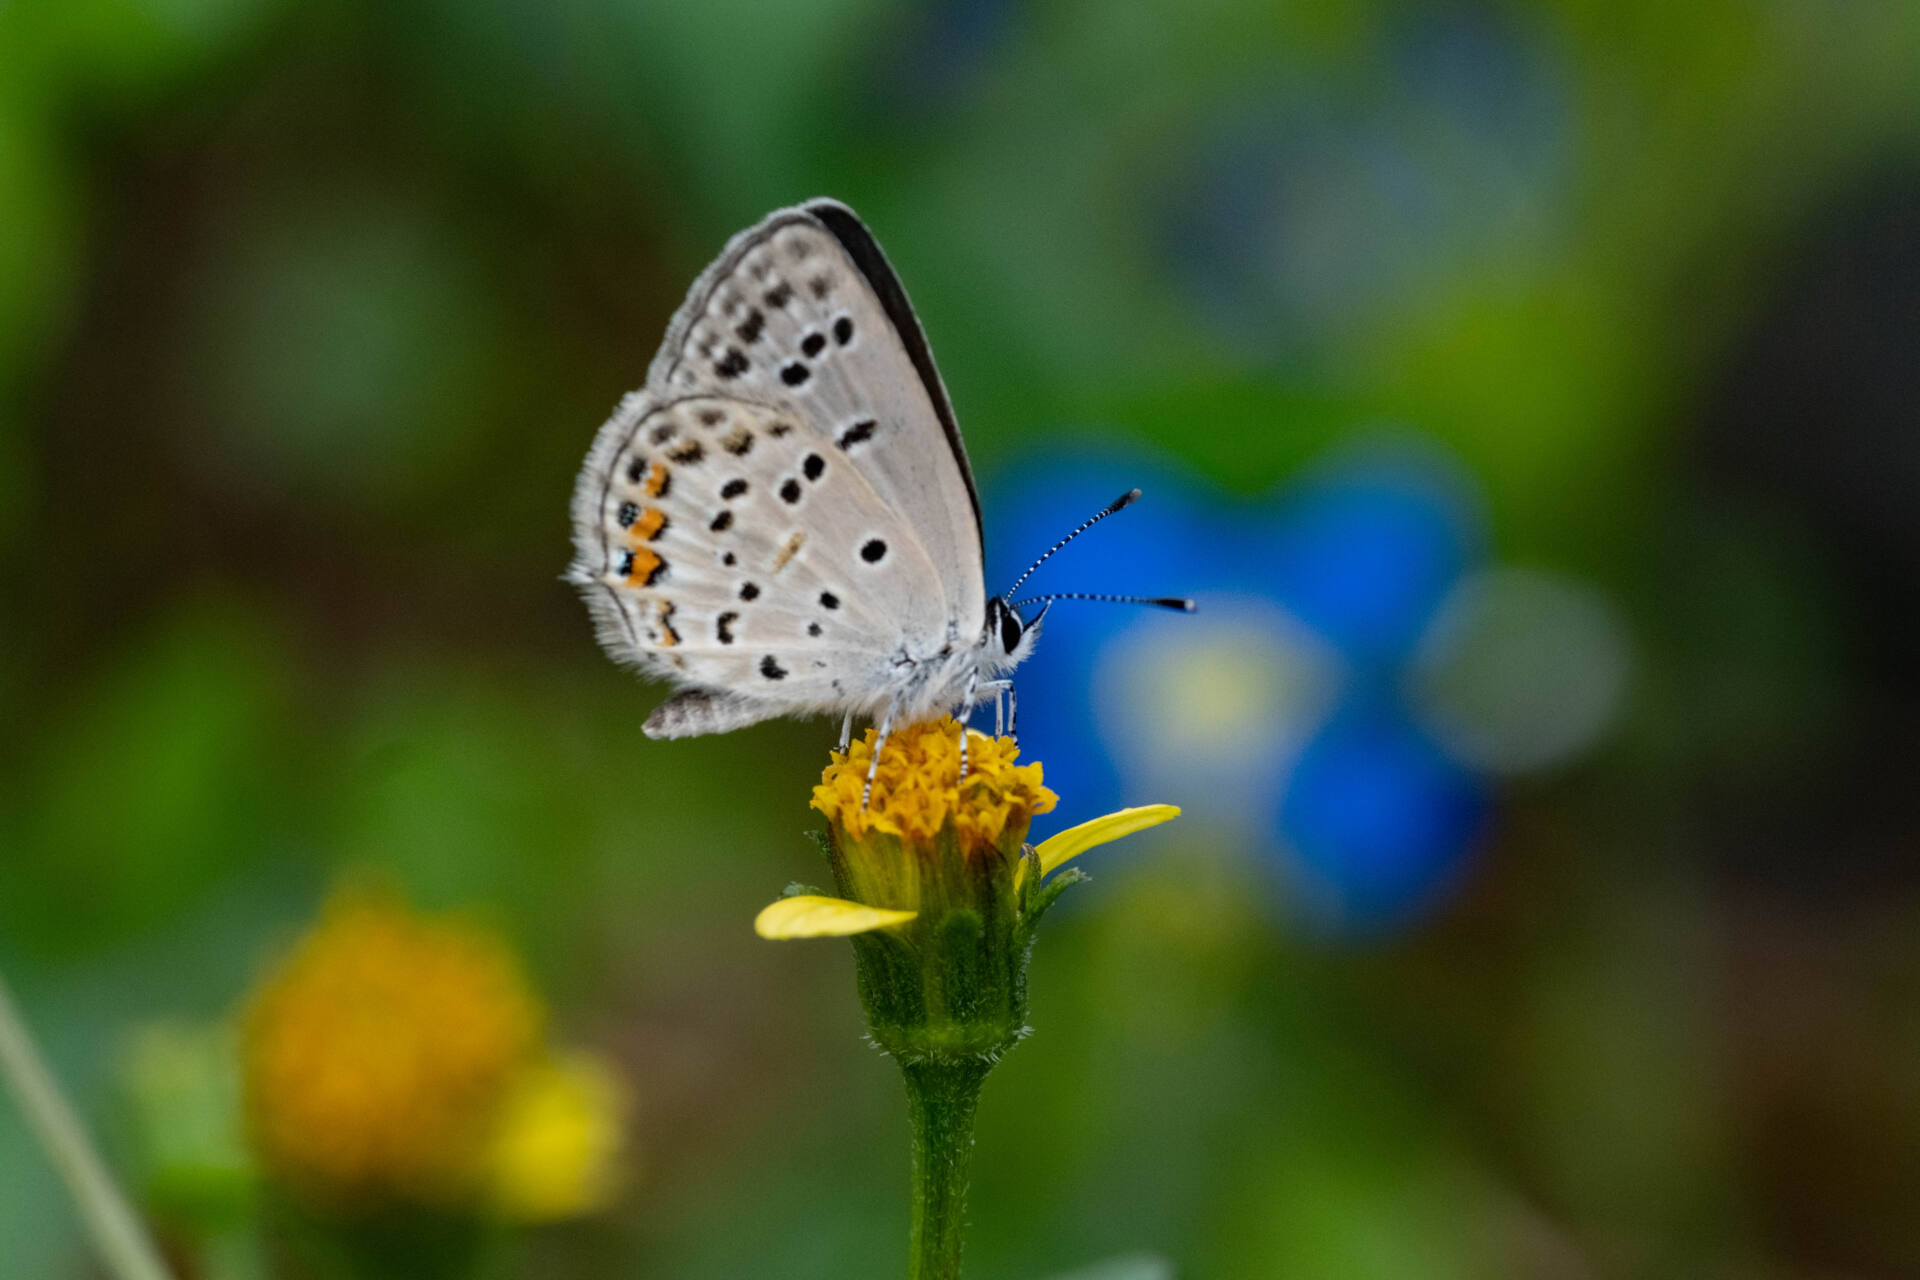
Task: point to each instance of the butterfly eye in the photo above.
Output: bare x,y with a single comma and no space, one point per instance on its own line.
1009,631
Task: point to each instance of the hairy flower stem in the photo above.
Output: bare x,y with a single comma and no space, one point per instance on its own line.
941,1100
940,895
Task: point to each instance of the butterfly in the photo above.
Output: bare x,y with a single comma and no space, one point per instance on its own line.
783,521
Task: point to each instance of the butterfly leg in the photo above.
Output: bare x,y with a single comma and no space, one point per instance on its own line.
997,689
1013,713
846,732
879,745
966,714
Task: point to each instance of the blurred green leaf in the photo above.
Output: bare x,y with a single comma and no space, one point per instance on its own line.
165,774
182,1084
350,350
1141,1267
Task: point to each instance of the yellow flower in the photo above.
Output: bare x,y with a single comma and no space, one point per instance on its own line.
918,788
918,797
940,896
380,1058
556,1149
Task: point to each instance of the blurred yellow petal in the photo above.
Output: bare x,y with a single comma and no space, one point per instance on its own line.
1056,851
809,915
557,1153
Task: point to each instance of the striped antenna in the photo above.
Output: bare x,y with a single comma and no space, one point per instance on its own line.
1180,603
1120,503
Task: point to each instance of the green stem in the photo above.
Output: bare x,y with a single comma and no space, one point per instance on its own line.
117,1232
941,1100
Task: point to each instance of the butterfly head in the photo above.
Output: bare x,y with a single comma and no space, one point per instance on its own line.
1009,638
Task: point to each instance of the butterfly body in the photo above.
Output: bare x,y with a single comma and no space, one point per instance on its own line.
783,521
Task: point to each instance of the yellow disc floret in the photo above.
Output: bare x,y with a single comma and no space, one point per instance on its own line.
918,788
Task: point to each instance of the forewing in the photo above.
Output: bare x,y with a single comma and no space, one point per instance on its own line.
731,546
803,313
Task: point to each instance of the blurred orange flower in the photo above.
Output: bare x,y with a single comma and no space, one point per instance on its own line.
398,1057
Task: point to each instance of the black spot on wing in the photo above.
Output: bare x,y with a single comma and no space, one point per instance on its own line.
749,329
813,466
794,374
813,344
734,365
771,669
749,591
843,330
733,488
874,551
790,492
629,512
722,522
828,600
859,433
780,295
723,627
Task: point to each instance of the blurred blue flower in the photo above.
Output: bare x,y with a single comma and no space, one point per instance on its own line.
1281,709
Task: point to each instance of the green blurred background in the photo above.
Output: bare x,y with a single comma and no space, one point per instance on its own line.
308,312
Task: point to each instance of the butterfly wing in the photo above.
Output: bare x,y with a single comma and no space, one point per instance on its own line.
786,510
730,546
803,312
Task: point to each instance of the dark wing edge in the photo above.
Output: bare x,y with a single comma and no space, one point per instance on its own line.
859,244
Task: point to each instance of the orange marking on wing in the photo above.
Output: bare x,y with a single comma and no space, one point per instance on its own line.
789,551
669,637
652,520
644,563
656,482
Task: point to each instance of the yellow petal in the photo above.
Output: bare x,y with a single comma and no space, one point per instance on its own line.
1057,850
811,916
557,1151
